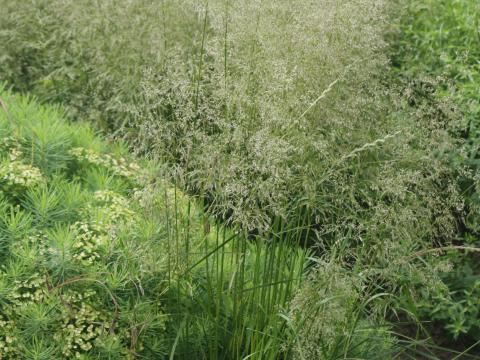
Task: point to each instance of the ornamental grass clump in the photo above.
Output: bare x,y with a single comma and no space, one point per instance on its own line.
263,110
247,102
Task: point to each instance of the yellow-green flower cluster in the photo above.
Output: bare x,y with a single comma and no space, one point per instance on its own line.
108,196
33,289
39,241
15,154
87,242
84,327
80,328
10,144
114,208
118,166
8,343
161,194
23,293
16,173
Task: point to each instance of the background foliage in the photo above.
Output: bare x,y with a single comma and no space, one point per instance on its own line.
437,50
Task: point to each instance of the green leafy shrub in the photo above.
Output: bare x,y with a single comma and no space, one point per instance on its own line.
436,53
439,40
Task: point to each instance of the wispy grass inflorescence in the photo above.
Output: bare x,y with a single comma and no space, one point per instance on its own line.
239,97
